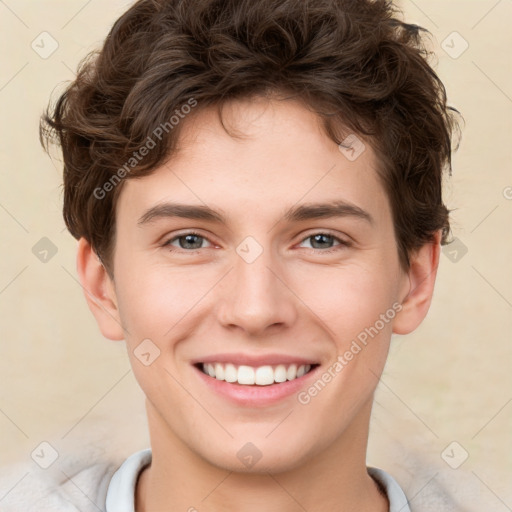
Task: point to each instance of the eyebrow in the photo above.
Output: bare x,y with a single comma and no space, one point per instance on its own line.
293,214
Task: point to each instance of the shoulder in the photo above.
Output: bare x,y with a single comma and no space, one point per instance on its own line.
71,486
430,487
423,468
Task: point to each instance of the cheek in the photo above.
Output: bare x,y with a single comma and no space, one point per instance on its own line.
155,306
154,302
347,299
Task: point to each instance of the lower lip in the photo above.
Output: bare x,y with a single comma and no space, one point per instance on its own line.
256,395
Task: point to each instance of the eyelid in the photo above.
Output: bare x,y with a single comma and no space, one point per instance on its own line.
342,241
334,234
175,236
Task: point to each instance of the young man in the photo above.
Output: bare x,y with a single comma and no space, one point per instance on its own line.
256,190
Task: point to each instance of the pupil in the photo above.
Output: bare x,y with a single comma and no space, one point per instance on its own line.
319,237
189,240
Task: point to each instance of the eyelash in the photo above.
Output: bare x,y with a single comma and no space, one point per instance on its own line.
342,243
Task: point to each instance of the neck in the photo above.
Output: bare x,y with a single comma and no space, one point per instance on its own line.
333,479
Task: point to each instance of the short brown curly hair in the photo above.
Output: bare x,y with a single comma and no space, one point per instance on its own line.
354,62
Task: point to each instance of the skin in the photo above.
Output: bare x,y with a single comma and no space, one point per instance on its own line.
295,298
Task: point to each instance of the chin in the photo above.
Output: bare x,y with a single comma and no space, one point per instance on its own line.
261,456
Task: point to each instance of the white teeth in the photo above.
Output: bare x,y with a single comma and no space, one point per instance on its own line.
211,370
291,373
264,376
280,373
261,376
245,375
219,372
230,373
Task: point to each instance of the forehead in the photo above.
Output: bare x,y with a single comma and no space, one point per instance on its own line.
265,154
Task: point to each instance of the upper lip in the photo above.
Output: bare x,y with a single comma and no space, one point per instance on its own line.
255,360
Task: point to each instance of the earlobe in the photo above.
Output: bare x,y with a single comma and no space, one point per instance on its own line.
422,275
99,291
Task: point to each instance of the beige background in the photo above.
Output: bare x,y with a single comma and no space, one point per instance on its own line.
63,383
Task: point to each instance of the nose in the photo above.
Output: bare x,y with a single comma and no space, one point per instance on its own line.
255,297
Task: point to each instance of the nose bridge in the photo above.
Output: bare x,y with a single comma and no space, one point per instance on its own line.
255,296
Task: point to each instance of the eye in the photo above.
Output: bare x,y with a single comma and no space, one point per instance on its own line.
192,241
189,241
324,240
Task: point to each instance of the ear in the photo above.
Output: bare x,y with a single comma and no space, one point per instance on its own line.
422,276
99,291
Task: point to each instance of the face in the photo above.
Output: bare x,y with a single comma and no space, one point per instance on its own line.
282,256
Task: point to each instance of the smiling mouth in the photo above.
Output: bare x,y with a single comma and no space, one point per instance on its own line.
255,376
